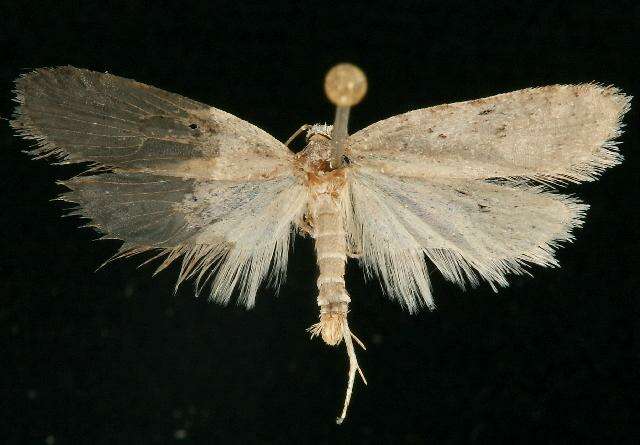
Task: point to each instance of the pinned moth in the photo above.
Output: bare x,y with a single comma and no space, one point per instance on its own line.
472,186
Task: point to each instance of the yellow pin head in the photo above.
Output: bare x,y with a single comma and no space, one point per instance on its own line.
345,85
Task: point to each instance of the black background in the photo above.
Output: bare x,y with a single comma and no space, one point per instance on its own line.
116,357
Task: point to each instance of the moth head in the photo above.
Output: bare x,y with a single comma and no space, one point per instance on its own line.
319,129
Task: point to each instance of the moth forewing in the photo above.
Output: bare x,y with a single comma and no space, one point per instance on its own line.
556,133
78,115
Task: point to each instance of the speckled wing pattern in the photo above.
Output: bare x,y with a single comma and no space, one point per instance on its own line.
167,173
457,183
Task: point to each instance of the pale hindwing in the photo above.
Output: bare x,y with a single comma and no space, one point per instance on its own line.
186,179
552,134
468,229
238,232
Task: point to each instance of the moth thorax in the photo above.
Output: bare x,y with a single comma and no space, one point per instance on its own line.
333,317
316,157
319,129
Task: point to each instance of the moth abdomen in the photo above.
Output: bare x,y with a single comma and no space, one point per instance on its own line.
331,251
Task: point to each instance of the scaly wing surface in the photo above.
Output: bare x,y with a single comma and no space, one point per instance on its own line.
552,134
181,176
468,229
424,183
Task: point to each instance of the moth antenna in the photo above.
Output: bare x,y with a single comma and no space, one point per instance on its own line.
304,127
345,85
353,367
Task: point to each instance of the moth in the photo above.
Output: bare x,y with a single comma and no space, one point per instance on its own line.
471,186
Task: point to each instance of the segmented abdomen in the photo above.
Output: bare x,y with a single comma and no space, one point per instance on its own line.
330,250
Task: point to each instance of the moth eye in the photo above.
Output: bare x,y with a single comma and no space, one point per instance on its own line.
346,160
193,126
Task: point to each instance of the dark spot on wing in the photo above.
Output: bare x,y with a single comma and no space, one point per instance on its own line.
163,126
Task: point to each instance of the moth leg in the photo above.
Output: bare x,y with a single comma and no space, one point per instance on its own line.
353,367
305,227
305,127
